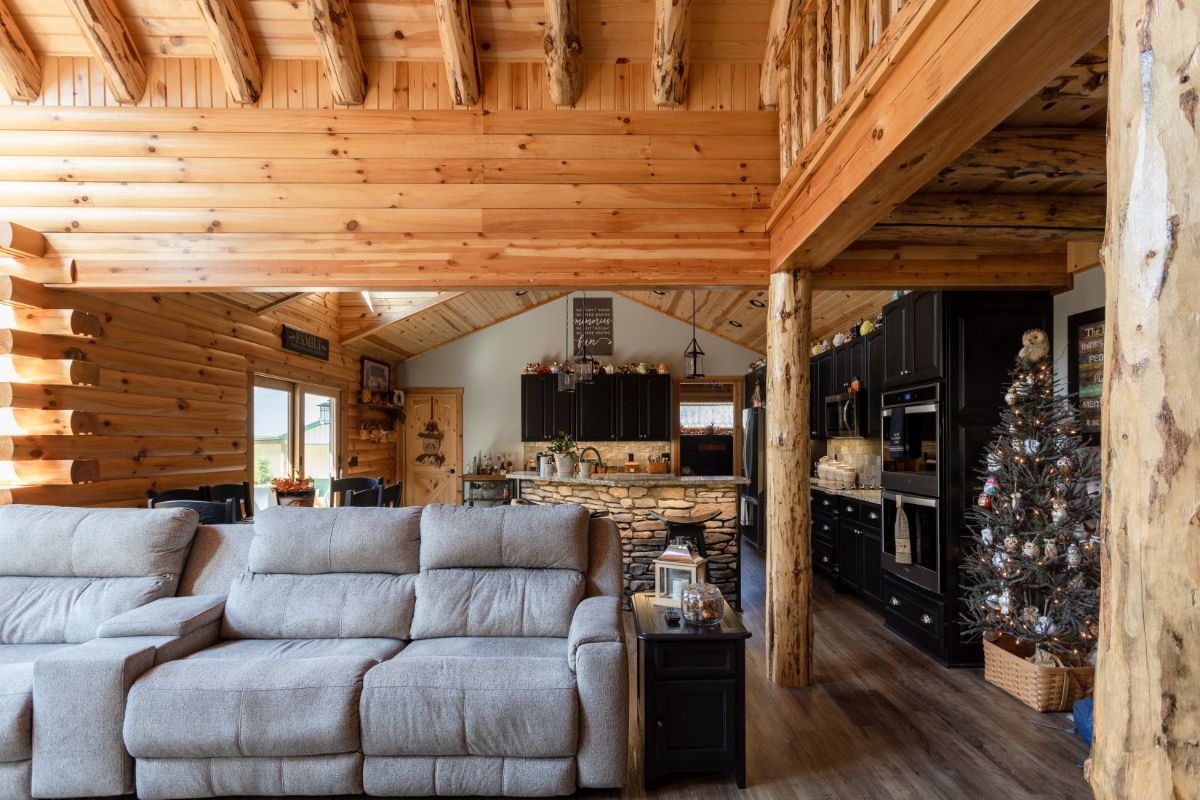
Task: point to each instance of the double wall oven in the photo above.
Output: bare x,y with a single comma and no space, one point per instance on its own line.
912,448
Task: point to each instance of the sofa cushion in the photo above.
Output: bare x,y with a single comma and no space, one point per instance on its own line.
56,610
472,696
314,541
46,541
376,649
496,602
16,698
535,537
330,606
218,555
217,707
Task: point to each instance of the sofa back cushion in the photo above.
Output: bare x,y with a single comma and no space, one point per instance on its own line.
218,556
63,571
505,571
327,573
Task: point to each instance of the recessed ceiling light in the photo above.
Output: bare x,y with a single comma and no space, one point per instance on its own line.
521,292
735,323
757,303
659,292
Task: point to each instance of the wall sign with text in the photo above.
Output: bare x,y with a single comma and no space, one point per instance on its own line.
593,324
1085,367
305,343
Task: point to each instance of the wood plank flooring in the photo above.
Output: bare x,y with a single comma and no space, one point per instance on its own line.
882,720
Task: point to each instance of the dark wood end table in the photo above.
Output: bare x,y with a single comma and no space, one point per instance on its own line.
691,693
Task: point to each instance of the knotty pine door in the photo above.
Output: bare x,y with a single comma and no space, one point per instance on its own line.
433,446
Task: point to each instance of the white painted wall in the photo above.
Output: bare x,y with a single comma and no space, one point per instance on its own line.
1087,294
487,364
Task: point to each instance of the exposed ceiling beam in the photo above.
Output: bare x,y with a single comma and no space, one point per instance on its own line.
356,324
233,49
457,34
20,73
337,41
17,241
112,45
782,14
672,38
920,267
564,52
945,74
1083,255
1073,212
40,270
282,302
1032,156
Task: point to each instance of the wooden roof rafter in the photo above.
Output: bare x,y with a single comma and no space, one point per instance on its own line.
364,314
112,46
20,72
233,49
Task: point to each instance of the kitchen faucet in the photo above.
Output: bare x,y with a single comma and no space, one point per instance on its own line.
599,458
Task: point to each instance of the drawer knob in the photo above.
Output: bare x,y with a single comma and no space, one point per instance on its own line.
872,515
895,601
926,619
849,508
825,527
824,559
660,723
825,502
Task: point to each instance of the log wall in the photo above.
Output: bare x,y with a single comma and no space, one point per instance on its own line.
159,397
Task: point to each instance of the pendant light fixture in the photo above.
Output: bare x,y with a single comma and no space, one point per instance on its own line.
566,378
693,356
585,365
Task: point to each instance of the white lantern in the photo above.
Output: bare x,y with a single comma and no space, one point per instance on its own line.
670,576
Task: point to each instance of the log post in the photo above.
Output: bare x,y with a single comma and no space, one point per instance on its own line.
1147,742
789,620
337,40
17,241
564,52
672,38
233,49
111,44
782,13
20,73
457,33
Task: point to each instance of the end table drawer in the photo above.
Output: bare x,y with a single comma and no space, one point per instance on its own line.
695,660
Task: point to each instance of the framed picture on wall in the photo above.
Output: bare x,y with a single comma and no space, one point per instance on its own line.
376,375
1085,367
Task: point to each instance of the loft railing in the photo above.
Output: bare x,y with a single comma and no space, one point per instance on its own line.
825,47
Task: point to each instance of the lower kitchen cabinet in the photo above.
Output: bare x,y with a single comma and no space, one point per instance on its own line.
846,544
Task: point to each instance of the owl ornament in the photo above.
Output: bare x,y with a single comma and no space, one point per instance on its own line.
1036,346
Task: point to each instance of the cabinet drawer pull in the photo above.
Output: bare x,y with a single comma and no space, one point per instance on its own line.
825,502
824,527
849,508
824,559
894,602
872,515
926,619
660,723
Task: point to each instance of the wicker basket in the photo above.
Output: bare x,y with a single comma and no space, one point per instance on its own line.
1039,687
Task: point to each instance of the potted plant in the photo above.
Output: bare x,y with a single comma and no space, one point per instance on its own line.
295,491
563,447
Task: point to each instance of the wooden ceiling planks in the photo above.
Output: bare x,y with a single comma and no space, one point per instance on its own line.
406,30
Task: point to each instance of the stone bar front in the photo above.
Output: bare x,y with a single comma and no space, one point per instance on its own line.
629,498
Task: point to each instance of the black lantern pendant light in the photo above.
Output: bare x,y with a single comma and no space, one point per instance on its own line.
585,365
566,378
693,356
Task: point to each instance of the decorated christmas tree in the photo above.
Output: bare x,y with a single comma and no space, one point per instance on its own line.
1035,571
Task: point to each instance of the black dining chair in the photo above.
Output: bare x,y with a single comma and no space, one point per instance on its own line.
364,498
240,493
210,513
339,486
391,495
153,497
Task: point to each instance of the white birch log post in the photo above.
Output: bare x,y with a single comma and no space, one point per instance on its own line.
233,49
111,44
20,73
789,619
1147,739
672,49
337,41
564,52
457,33
782,14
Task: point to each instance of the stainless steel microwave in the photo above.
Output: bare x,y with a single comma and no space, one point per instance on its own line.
841,415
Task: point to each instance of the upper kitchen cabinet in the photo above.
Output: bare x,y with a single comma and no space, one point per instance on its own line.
912,330
643,407
595,410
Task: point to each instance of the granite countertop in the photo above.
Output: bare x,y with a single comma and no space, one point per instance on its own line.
636,479
832,487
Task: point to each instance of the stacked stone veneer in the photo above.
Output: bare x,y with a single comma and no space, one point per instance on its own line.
643,537
613,453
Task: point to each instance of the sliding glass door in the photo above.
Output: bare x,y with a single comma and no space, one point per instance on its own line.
295,432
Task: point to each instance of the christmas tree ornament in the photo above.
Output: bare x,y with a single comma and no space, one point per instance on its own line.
991,487
984,501
986,535
993,462
998,560
993,602
1005,602
1035,346
1064,464
1032,446
1080,533
1050,550
1016,501
1029,615
1074,557
1011,543
1029,549
1012,428
1058,512
1016,445
1093,488
1045,626
1010,397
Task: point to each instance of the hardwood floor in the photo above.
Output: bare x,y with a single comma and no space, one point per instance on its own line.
882,720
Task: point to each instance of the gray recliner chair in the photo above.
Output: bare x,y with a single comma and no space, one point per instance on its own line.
64,574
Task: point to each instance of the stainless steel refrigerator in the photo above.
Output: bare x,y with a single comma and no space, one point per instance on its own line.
753,505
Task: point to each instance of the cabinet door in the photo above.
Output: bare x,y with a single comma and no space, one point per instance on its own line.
849,549
693,721
873,384
896,345
628,412
825,378
594,410
872,568
925,336
816,416
535,410
843,368
562,411
657,424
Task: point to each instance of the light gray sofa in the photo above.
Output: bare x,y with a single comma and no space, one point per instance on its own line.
65,573
464,651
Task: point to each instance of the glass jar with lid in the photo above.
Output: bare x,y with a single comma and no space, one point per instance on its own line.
701,604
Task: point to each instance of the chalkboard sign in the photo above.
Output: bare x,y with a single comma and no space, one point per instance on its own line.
305,343
594,325
1085,367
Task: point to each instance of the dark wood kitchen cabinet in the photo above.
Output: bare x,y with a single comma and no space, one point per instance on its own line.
691,691
913,339
545,411
873,350
611,408
816,404
643,406
595,409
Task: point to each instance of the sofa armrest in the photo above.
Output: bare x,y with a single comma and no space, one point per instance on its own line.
168,616
79,694
596,619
